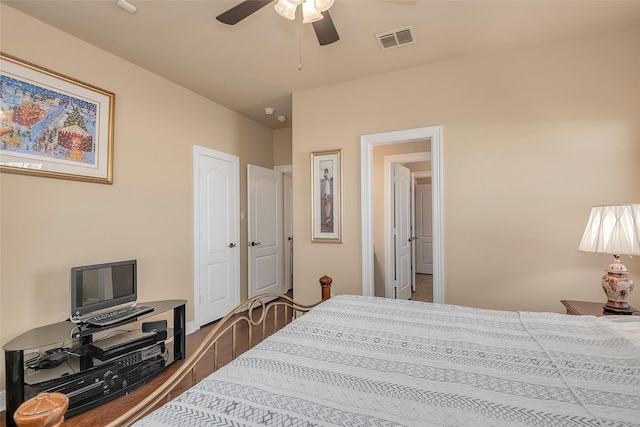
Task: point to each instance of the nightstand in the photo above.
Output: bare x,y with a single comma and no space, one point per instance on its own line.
585,307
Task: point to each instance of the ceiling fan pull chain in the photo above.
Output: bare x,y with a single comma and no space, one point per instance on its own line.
300,31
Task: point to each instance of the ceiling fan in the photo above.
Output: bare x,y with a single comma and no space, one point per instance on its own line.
323,26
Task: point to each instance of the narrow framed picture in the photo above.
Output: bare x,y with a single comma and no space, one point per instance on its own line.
52,125
326,196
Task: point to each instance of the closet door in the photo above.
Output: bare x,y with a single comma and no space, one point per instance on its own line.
264,206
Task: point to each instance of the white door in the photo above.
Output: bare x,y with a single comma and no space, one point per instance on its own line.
402,193
412,212
264,206
216,234
288,232
424,235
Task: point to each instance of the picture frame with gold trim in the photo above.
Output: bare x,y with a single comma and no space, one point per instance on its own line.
52,125
326,196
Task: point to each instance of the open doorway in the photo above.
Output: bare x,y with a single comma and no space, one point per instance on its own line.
434,134
287,215
394,221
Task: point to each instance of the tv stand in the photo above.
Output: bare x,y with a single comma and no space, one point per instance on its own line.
109,378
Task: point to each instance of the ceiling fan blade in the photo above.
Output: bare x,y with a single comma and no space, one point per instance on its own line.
325,30
241,11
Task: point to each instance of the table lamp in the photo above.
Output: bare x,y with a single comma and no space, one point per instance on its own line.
615,230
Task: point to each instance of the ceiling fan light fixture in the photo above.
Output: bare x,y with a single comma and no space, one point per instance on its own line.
286,9
125,5
323,5
310,13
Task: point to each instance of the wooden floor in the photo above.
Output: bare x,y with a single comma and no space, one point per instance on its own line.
424,288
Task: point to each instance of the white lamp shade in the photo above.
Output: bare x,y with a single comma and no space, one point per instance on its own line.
613,229
310,13
323,5
286,9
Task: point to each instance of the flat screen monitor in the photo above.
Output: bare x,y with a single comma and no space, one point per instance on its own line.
101,286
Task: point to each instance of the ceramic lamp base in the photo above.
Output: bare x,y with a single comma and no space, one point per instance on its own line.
618,286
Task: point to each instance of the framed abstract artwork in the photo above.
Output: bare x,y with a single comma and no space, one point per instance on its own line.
52,125
326,196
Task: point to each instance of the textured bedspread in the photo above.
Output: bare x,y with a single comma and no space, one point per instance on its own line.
359,361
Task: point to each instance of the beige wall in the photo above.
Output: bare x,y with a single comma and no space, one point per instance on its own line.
532,138
49,225
282,147
378,167
417,166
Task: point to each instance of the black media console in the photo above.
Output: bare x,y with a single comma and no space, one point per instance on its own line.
91,365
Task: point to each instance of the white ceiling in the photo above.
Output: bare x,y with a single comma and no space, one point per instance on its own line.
254,64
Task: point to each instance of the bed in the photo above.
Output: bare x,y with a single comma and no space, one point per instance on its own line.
366,361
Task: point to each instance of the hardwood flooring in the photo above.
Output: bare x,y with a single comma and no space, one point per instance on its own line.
424,288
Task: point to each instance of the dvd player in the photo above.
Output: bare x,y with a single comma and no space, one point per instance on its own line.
113,346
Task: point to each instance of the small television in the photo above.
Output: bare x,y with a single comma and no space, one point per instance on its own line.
101,286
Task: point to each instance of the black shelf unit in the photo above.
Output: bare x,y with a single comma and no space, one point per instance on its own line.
19,378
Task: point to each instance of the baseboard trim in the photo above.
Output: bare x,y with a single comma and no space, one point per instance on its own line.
191,327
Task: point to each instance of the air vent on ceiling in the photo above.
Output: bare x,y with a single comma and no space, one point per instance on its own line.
396,38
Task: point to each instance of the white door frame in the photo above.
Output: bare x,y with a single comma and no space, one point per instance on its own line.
412,212
287,171
414,176
197,152
389,261
434,133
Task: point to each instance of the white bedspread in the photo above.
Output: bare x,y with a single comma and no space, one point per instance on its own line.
360,361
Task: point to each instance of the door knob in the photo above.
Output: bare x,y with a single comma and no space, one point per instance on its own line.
232,245
254,243
290,238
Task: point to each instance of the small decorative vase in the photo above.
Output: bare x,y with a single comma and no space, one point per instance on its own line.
618,286
43,410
